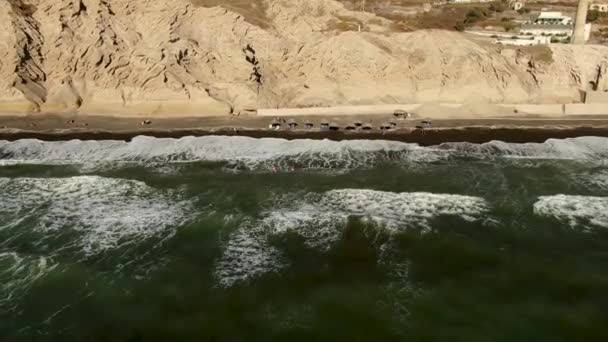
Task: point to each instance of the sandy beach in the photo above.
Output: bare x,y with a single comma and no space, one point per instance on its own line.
517,129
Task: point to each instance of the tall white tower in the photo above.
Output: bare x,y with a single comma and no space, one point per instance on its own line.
578,36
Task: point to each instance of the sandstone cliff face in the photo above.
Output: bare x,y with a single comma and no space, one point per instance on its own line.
149,57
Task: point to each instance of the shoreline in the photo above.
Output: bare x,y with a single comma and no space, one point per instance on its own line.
430,137
512,129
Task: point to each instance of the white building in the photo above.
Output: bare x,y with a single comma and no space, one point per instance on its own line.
552,24
600,7
552,18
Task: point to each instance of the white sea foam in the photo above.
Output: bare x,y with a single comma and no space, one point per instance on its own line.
321,219
596,180
247,254
583,212
582,148
248,152
18,273
104,213
285,154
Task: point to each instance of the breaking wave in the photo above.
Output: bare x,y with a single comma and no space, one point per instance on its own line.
582,148
94,214
584,212
244,152
320,220
250,153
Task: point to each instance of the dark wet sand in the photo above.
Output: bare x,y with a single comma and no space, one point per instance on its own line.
528,129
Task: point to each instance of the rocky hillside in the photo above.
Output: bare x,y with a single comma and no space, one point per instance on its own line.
233,56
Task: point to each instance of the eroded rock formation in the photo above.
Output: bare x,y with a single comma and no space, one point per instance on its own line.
187,57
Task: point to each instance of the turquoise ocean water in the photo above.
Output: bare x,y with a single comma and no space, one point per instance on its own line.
241,239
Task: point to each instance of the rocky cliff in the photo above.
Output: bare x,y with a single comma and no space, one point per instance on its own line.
207,57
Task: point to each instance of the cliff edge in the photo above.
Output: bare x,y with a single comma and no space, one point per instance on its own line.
205,57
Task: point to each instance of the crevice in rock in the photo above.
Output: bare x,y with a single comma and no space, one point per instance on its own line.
256,73
82,8
30,76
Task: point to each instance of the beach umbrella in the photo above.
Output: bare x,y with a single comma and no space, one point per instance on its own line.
324,124
274,123
400,113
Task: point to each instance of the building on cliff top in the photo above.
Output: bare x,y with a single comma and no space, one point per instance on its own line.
553,24
552,18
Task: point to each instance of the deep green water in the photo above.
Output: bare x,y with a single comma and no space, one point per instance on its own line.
237,239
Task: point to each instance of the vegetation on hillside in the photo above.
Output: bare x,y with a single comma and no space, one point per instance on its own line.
254,11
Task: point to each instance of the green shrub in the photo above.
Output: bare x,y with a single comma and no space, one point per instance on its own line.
474,15
509,26
592,16
523,11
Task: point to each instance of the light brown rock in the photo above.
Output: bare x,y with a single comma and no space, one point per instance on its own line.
153,57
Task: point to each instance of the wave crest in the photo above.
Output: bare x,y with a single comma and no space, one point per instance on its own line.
269,153
579,211
94,214
321,219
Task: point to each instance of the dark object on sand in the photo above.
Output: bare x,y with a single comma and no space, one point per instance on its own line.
366,127
309,125
334,127
275,124
386,126
402,114
350,127
392,123
292,123
71,122
324,125
146,122
421,129
84,124
358,123
426,124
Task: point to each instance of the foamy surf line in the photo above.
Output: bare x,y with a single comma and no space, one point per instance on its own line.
583,212
320,219
305,153
97,214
